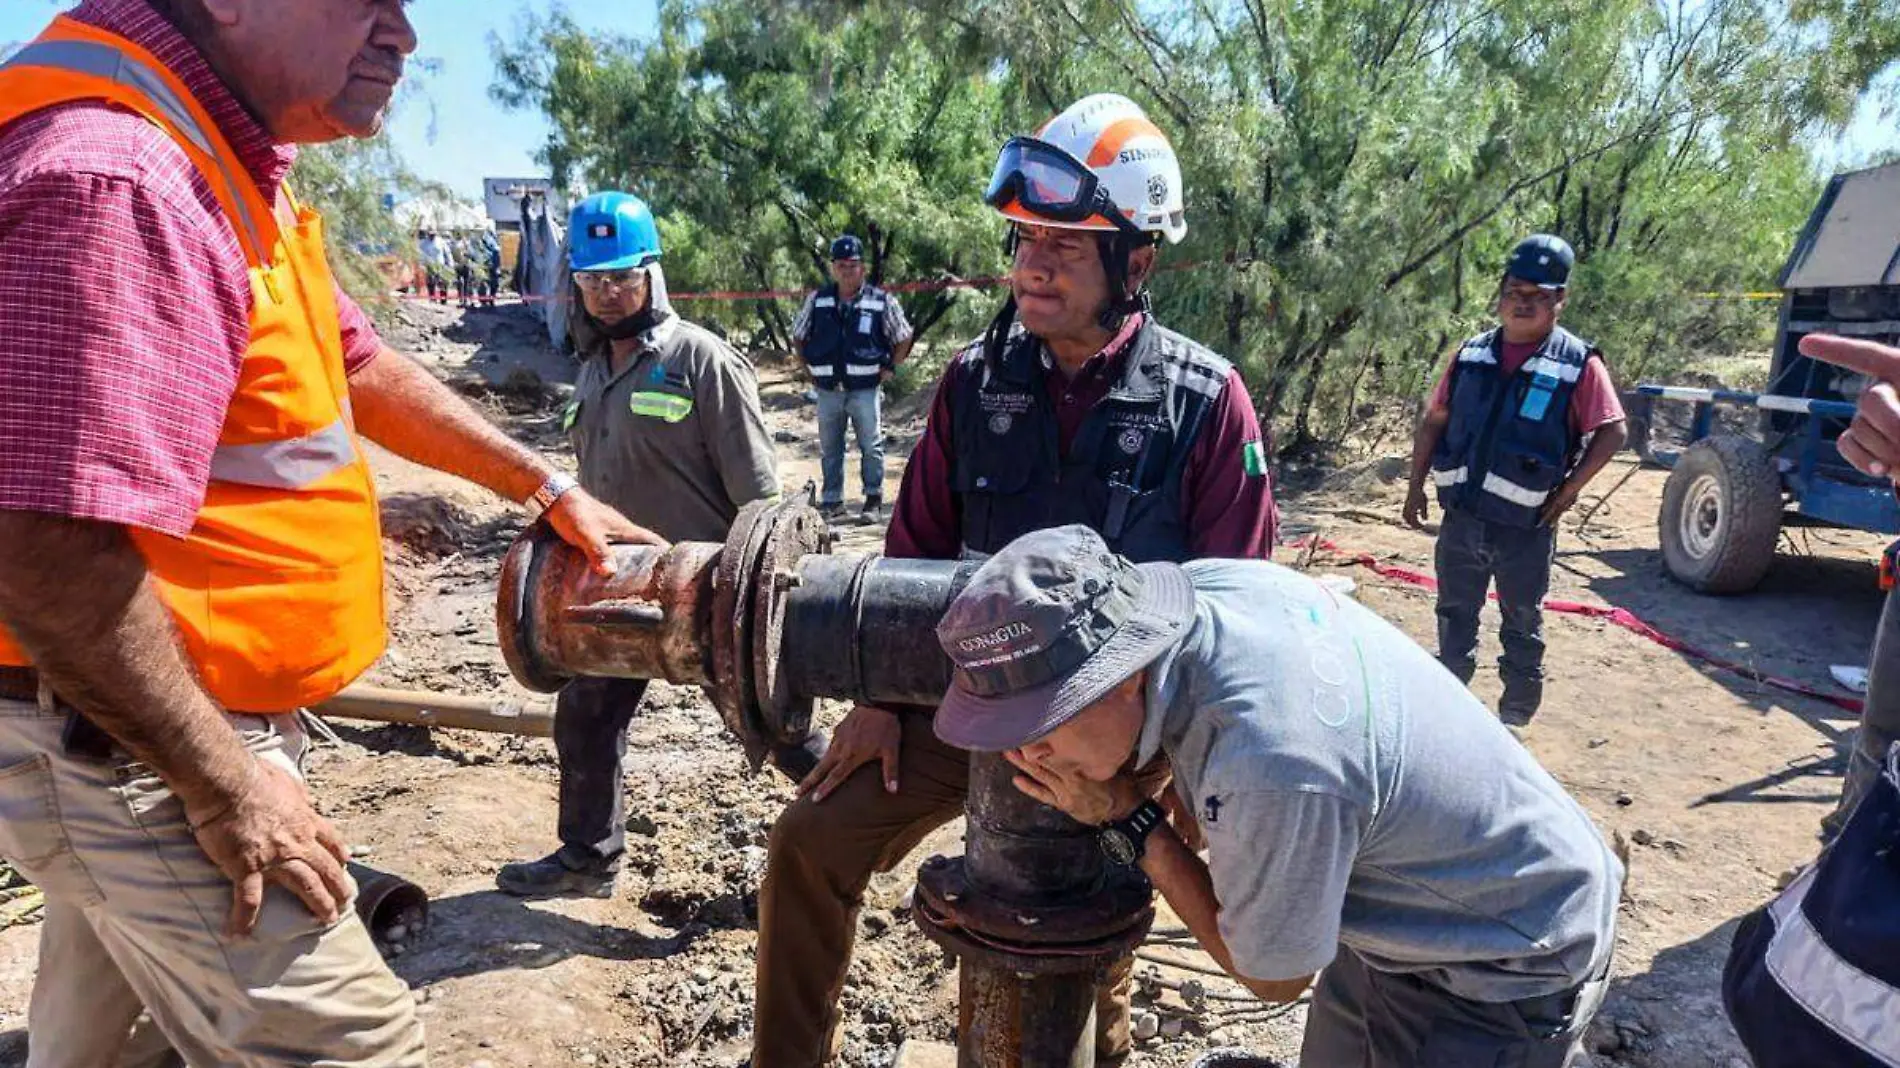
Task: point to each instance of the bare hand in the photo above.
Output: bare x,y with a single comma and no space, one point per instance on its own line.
1083,800
1872,441
592,527
865,734
1561,500
1417,508
271,834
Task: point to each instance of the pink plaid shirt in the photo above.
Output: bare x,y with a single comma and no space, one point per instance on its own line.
125,300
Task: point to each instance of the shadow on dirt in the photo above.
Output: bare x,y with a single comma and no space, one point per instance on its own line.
1670,1016
1809,613
460,940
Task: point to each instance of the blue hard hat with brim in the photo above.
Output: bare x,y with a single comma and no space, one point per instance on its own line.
612,232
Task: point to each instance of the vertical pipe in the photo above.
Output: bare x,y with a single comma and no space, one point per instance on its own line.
1025,853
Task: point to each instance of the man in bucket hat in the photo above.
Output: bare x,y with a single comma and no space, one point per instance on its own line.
1362,812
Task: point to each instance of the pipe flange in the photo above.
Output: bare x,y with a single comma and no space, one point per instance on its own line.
733,688
983,949
795,531
514,610
1123,901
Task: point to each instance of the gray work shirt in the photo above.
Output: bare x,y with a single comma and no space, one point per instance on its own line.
1354,793
676,440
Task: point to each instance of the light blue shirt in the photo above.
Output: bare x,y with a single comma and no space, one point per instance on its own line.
1354,793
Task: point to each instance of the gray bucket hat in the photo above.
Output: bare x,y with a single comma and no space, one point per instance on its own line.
1045,628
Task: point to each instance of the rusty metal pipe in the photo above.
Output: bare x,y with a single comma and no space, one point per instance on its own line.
385,901
771,622
424,709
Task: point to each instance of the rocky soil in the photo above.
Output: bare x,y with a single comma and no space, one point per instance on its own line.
1712,781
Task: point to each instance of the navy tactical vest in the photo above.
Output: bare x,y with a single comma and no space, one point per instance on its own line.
848,353
1124,470
1508,443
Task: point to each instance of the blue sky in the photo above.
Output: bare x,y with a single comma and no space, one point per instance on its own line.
454,134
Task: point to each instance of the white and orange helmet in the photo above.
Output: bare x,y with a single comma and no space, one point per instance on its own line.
1100,165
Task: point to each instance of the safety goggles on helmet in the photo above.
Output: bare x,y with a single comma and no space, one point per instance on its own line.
1048,182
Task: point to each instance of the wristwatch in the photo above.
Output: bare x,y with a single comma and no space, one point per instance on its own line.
1126,839
552,490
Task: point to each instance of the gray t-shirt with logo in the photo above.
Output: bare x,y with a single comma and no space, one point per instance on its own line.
1354,793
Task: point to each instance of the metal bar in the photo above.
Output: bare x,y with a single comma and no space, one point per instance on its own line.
439,710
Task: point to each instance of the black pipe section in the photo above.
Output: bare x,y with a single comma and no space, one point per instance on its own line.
865,628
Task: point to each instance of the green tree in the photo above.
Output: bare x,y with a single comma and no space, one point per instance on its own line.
348,182
1356,169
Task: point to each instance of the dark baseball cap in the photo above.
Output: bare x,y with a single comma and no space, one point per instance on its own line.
847,247
1046,628
1543,260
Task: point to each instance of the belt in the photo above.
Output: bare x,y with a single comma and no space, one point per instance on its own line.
19,684
82,737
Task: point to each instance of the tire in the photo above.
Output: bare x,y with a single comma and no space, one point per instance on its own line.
1721,515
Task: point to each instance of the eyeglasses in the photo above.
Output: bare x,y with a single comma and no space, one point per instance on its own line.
601,281
1541,298
1046,180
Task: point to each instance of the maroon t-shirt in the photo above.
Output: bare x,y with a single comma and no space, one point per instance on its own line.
1229,512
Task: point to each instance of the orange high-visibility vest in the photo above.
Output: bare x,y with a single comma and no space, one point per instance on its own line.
278,589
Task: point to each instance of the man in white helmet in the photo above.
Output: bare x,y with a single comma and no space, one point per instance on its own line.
1075,407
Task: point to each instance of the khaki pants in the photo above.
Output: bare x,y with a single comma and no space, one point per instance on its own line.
135,915
821,858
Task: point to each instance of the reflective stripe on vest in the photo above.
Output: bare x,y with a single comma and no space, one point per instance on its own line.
290,464
1454,477
104,61
1499,486
1854,1005
667,406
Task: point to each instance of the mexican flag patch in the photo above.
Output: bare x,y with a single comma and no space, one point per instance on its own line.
1253,456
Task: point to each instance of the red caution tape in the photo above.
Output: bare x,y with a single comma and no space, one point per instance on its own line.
1621,617
792,294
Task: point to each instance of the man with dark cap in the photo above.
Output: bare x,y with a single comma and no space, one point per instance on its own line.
1523,418
851,336
1461,920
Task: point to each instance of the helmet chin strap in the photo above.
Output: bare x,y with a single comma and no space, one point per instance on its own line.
1116,251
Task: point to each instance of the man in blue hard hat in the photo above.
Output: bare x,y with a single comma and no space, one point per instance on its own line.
666,424
1525,415
851,336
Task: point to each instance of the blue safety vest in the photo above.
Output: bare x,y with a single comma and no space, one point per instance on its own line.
1123,474
1508,443
846,346
1814,978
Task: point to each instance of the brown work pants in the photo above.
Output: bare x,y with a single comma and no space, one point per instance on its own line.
822,856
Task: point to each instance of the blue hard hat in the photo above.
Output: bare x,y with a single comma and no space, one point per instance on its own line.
847,247
1542,259
611,232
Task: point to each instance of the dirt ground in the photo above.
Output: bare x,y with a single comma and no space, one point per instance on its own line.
1715,782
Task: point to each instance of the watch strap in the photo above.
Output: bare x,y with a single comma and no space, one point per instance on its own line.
557,486
1139,824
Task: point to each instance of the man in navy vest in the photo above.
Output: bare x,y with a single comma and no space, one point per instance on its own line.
1524,417
851,335
1077,407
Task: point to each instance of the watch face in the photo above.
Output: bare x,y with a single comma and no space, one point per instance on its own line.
1119,847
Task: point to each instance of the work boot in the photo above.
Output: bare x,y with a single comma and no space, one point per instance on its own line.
872,513
552,877
831,510
1520,701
